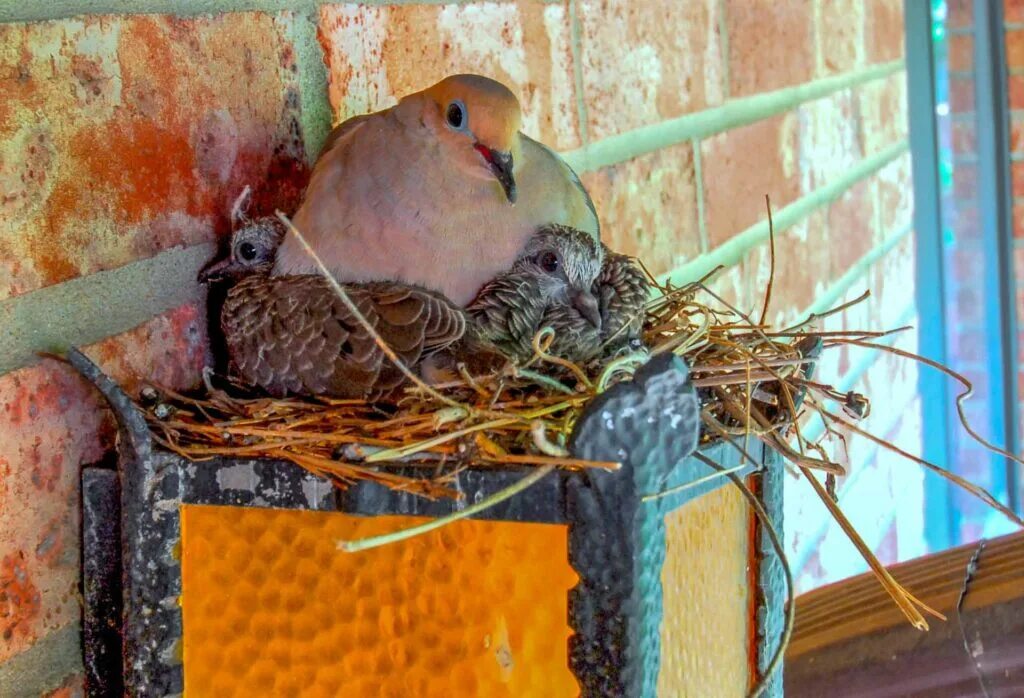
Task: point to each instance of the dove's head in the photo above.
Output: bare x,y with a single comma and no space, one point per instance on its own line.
476,120
253,251
563,265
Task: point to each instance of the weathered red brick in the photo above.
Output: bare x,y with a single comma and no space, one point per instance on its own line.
840,35
770,45
151,126
830,139
959,13
740,166
961,52
965,137
51,424
961,95
1015,90
1016,134
1017,175
378,54
966,217
895,196
1015,48
644,62
1018,220
851,227
883,112
965,180
660,226
1013,11
884,32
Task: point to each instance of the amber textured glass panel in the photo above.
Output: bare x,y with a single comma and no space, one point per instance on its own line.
705,629
271,607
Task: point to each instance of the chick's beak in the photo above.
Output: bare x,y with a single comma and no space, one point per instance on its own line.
586,304
501,164
216,270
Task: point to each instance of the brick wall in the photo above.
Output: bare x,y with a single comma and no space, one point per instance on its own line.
124,139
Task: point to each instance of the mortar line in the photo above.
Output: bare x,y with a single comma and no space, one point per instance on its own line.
733,250
698,176
77,312
819,57
723,32
576,32
44,666
315,113
730,115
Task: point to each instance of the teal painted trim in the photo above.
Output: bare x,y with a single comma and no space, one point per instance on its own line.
731,252
698,176
930,275
995,193
91,308
732,114
61,9
860,269
315,114
44,666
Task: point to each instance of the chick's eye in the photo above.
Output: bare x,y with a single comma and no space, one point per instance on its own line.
548,261
456,117
247,251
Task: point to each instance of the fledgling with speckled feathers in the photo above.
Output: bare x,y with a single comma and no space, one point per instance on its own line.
591,297
292,335
441,191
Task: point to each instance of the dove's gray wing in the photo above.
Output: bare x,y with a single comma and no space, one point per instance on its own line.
294,335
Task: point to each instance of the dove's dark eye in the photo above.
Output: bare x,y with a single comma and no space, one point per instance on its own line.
456,115
549,262
247,251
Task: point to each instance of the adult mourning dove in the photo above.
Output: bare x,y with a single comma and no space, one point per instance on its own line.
294,335
441,190
591,297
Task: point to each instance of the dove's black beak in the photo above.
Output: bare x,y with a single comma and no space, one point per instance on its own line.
501,165
585,302
217,270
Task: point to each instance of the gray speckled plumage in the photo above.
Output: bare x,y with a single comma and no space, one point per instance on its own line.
294,335
593,300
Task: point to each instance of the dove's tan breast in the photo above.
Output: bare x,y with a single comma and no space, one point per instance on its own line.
401,214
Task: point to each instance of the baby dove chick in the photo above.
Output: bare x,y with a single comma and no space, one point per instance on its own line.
569,281
441,190
294,335
622,290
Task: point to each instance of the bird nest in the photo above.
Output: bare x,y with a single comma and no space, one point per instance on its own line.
753,380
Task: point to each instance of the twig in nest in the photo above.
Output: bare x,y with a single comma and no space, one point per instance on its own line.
771,273
694,483
367,325
907,602
979,492
354,546
968,391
